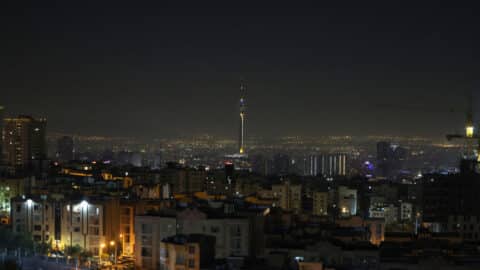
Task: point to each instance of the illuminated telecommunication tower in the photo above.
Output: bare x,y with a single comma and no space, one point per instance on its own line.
243,115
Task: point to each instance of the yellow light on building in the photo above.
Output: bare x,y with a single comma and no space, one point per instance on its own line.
469,131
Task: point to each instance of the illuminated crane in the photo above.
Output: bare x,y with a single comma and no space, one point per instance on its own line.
470,136
472,156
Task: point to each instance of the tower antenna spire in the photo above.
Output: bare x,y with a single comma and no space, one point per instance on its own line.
243,114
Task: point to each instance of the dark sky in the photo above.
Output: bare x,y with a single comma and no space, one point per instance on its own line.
148,69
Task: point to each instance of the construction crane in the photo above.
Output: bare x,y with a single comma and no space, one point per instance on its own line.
470,136
471,156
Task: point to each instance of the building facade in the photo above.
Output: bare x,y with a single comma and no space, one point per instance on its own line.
24,140
347,201
289,196
320,203
34,216
82,224
191,252
232,234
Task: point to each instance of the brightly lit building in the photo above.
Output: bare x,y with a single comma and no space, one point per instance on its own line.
347,201
333,165
126,234
91,223
9,189
327,165
34,216
24,140
82,224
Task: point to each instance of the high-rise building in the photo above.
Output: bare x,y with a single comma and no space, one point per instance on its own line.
243,115
24,140
327,165
312,165
65,149
333,164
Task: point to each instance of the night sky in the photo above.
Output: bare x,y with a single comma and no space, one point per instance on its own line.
152,69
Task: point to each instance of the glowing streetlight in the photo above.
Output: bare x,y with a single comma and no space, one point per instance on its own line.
112,243
100,251
84,204
84,215
29,214
470,130
123,244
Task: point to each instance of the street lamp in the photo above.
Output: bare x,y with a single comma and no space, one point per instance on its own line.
29,203
100,252
84,212
123,244
84,204
112,243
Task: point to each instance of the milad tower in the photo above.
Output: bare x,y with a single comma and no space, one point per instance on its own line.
243,115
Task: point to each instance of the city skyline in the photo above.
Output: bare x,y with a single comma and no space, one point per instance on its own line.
141,71
202,136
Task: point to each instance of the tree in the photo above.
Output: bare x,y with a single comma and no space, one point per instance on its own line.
43,248
85,256
74,251
14,240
